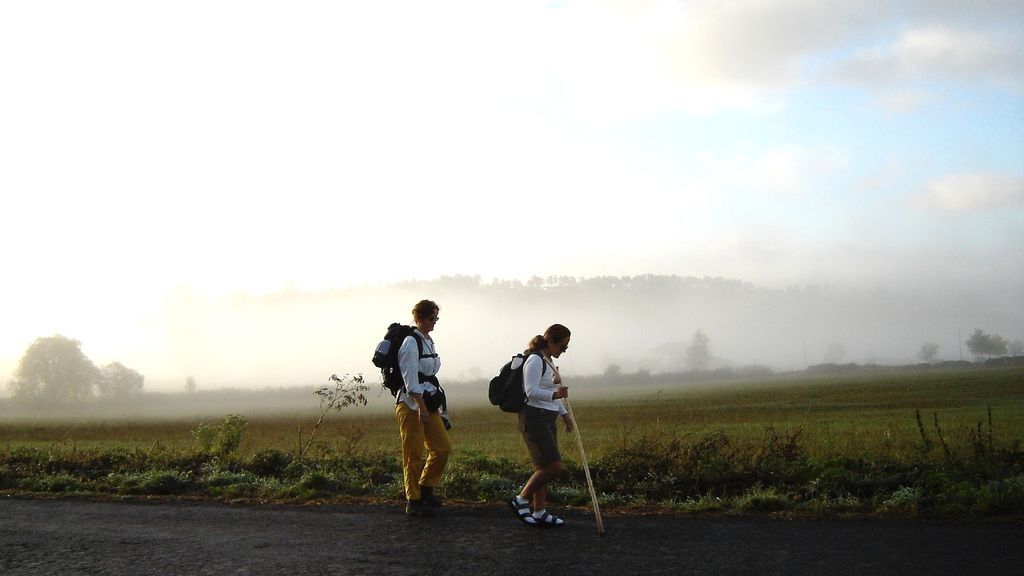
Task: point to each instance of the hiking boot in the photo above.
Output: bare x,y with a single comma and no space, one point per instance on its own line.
428,497
418,508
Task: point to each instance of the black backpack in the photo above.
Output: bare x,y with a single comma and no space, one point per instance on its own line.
385,356
506,389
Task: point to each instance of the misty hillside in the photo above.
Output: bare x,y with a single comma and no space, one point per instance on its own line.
634,323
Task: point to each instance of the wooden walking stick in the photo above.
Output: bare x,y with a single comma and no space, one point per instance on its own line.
583,458
586,469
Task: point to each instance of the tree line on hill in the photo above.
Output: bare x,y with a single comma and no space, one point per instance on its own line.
638,323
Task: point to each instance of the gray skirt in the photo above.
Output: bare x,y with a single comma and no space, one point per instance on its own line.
540,432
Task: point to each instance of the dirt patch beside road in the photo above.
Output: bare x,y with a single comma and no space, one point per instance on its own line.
85,537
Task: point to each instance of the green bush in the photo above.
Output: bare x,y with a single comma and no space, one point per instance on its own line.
318,483
763,500
59,483
475,462
476,477
905,498
232,484
369,469
841,476
269,463
155,482
649,465
1002,496
467,484
220,439
223,478
665,467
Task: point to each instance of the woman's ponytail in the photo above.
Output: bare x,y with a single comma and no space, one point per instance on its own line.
555,333
537,343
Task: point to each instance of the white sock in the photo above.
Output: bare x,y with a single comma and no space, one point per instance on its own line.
520,500
538,514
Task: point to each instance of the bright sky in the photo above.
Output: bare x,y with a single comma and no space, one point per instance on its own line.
226,147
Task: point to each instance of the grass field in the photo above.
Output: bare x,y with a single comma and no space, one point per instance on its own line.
674,445
853,415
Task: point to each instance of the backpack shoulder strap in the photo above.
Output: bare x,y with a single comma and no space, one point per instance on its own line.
416,337
419,343
543,363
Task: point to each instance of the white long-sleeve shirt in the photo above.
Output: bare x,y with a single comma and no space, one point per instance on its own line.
411,365
540,389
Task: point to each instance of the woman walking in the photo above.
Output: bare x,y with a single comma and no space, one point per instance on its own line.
538,424
419,406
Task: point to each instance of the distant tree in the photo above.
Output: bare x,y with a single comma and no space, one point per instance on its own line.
561,281
698,355
1000,347
54,368
118,381
1016,348
928,352
613,372
982,344
978,342
190,385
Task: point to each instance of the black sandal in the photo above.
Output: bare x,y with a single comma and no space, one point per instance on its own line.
549,521
522,511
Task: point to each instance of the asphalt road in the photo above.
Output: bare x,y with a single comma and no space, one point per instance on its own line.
86,537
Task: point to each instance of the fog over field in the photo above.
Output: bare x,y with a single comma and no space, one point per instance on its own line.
294,338
306,336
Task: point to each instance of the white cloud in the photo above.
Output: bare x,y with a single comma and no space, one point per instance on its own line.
968,192
983,12
764,43
940,53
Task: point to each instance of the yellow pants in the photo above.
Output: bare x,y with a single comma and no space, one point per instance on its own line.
418,438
